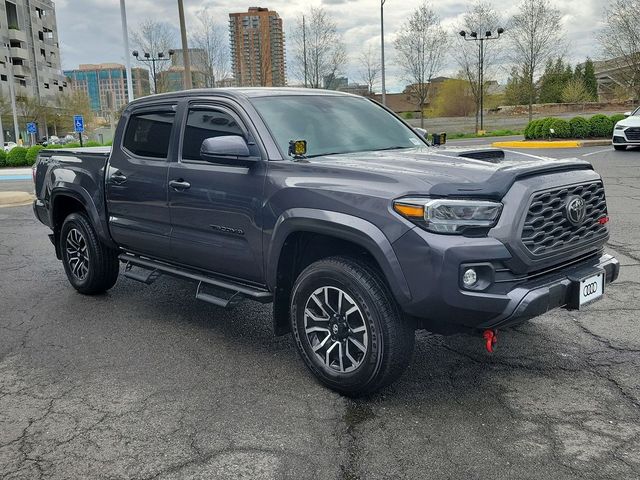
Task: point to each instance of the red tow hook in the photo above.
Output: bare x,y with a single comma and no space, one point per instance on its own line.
490,339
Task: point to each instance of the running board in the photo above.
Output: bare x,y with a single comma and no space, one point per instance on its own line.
228,293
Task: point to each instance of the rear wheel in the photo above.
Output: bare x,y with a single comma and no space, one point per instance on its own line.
620,147
91,266
348,328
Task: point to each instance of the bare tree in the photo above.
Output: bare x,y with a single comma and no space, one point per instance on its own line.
481,17
420,44
211,38
319,51
536,37
620,39
370,68
155,37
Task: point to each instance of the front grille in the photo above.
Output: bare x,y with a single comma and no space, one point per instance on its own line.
547,230
633,133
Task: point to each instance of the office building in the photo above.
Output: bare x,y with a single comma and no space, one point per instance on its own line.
257,48
29,29
106,85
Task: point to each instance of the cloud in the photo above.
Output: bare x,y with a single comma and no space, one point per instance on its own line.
91,33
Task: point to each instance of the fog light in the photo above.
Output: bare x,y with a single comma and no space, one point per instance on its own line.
469,278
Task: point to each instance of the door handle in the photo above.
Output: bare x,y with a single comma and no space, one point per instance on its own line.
118,178
179,184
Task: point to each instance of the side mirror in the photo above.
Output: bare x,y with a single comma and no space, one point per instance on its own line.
225,149
627,114
421,131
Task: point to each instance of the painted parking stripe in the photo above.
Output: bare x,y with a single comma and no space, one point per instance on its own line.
15,177
595,153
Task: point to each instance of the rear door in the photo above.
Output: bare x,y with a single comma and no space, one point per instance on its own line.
216,215
136,181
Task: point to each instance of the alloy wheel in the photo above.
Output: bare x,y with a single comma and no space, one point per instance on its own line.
77,254
336,329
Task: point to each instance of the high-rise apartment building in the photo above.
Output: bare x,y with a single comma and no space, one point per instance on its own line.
32,56
257,48
106,85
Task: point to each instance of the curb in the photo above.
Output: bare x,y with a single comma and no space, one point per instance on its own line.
15,199
550,144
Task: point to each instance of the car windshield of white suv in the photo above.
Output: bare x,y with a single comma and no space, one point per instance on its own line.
636,112
333,124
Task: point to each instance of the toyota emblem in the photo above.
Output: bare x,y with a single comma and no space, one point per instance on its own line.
576,210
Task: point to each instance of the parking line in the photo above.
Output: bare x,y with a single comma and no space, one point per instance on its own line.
594,153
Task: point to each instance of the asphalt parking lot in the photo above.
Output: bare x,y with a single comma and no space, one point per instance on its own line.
145,382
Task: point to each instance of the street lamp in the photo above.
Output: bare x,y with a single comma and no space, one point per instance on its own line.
384,95
474,37
159,57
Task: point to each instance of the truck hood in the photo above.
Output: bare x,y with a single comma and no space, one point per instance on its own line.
446,171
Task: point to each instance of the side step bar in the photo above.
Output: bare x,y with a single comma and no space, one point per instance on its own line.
228,293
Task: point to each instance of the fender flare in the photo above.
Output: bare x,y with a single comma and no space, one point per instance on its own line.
71,190
345,227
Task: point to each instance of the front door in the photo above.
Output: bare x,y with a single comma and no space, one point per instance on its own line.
136,182
216,207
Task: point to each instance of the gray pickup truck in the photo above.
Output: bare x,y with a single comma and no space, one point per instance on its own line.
336,211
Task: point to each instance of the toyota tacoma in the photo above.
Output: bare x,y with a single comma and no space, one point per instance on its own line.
337,212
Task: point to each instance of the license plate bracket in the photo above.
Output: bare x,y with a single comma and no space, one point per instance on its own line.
586,290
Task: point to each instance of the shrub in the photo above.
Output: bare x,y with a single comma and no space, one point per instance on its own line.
17,157
528,131
601,126
407,115
580,127
616,118
32,154
3,158
560,127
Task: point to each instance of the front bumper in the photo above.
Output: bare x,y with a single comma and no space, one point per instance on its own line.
432,267
534,298
621,139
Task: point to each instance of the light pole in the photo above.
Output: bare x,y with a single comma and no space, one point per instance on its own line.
188,84
125,36
384,93
474,37
148,58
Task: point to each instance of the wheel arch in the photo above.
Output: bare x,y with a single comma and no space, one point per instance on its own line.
302,236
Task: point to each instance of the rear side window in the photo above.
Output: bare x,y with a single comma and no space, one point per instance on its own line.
203,124
148,134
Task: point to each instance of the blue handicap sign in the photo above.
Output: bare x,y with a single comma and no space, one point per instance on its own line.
78,122
32,128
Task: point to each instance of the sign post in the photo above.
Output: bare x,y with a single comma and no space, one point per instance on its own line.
32,129
78,122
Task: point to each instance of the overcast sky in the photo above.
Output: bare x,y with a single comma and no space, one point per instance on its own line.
90,30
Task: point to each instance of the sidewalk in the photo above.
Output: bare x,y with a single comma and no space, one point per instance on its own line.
15,178
15,173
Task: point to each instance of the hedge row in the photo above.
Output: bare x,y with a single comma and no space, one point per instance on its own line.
578,127
19,156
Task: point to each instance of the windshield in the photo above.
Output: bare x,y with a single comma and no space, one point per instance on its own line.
333,124
636,112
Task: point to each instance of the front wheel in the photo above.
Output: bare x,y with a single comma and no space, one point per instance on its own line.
91,266
348,328
620,147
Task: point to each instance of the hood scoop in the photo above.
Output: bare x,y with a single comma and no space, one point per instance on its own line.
488,155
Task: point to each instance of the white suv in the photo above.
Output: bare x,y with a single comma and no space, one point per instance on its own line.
626,133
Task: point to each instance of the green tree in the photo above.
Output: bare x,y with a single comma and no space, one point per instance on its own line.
575,91
554,80
590,82
518,88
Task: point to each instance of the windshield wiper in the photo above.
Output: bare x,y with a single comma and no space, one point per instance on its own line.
396,147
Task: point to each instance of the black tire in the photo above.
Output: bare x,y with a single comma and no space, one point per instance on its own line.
390,338
620,147
100,264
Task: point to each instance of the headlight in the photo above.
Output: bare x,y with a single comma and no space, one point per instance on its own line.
620,127
444,215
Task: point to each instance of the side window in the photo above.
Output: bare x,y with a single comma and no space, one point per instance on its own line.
203,124
148,134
